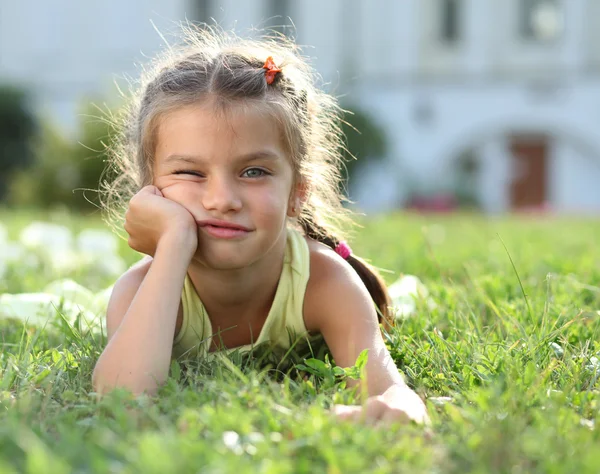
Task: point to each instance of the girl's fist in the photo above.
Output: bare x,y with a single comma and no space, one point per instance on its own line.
152,219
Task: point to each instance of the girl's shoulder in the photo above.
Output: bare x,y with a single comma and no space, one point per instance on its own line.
123,292
323,260
134,276
331,280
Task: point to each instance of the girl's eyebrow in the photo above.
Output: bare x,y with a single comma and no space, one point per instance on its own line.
196,159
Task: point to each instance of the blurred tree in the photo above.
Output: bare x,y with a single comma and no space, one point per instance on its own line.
17,130
66,171
365,140
90,153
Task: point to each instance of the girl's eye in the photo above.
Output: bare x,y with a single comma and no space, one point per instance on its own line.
193,173
254,173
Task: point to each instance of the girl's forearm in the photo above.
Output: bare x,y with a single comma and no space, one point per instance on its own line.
138,355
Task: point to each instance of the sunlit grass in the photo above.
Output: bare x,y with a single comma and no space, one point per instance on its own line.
507,354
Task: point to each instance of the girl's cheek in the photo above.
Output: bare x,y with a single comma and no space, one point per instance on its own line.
181,188
271,202
177,194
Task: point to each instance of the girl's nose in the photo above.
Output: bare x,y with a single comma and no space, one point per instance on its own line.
220,195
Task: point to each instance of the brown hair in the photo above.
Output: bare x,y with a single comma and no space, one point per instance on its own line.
211,63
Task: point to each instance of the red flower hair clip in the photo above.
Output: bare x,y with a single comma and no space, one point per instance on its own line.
272,70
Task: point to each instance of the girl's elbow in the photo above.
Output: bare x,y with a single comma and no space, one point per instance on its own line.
101,381
104,382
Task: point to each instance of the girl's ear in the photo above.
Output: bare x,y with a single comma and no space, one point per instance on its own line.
297,199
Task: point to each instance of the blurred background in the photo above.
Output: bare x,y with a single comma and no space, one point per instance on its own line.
491,105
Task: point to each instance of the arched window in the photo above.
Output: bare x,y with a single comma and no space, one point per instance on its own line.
541,20
450,20
201,11
277,14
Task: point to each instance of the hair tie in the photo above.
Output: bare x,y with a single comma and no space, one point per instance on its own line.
272,70
343,250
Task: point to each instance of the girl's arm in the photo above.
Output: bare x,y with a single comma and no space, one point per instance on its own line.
338,305
142,312
141,319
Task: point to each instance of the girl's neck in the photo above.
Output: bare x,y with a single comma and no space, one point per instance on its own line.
241,291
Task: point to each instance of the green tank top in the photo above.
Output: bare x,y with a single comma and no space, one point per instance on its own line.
284,325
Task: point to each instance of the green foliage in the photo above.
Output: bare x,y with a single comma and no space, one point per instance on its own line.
365,139
508,360
327,375
17,129
66,170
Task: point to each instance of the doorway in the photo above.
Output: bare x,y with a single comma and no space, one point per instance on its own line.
528,188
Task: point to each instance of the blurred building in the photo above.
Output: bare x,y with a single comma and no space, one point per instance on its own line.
496,101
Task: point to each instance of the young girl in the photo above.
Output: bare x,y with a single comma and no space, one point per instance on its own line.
234,155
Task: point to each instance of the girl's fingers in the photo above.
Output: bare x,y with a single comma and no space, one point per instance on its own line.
375,413
374,409
151,189
392,416
369,413
347,412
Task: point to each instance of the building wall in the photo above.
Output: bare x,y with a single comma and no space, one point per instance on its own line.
574,178
434,98
591,31
462,117
68,51
474,93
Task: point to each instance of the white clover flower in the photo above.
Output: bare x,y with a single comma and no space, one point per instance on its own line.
591,424
12,252
47,236
72,291
97,243
100,302
111,265
232,441
593,364
39,308
559,352
3,235
29,261
9,251
256,437
404,293
65,260
99,248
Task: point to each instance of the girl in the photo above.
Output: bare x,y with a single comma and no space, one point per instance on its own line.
237,154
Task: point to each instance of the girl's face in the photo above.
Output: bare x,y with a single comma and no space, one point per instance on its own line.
227,169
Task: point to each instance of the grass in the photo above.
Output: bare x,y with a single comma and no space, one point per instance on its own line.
508,360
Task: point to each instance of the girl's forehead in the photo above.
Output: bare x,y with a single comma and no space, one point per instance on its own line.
204,127
236,116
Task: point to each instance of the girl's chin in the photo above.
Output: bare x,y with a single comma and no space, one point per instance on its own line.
221,261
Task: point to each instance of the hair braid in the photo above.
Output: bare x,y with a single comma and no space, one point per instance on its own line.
369,276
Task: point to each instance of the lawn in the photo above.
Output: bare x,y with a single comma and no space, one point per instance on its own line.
506,352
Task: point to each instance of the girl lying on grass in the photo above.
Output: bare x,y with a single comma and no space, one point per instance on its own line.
233,155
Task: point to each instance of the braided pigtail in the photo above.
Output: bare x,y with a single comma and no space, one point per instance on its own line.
369,276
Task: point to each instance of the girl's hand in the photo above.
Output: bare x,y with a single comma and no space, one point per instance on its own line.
152,218
397,404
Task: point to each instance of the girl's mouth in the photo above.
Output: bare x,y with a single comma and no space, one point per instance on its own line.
223,232
223,229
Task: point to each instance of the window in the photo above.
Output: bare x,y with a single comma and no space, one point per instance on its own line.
449,27
278,12
201,11
541,20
